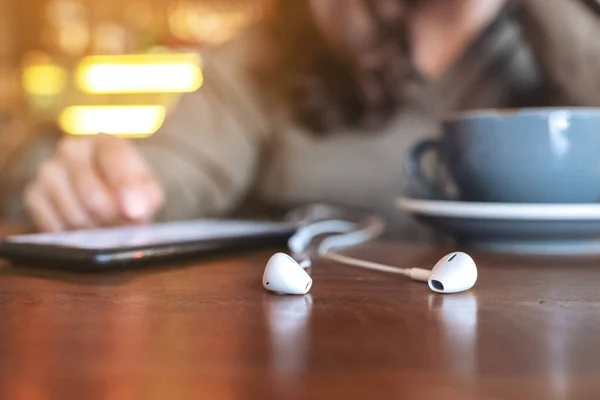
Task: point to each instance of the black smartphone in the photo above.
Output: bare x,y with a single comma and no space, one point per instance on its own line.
120,247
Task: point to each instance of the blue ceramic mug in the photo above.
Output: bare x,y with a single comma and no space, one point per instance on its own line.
537,155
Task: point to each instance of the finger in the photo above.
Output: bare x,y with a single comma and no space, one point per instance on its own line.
143,201
127,173
56,184
95,195
41,210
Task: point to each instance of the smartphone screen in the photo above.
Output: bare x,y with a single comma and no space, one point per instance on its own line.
155,235
120,247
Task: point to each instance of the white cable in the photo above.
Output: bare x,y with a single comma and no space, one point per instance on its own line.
364,264
417,274
345,237
373,230
299,242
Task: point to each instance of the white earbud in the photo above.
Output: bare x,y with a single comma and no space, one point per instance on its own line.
456,272
284,275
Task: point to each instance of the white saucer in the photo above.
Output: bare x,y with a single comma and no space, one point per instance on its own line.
514,211
570,229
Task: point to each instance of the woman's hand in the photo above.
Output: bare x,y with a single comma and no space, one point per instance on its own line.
92,182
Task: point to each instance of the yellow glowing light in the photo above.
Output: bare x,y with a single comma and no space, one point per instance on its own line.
112,120
140,73
44,80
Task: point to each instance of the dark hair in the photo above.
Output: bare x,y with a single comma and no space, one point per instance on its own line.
326,90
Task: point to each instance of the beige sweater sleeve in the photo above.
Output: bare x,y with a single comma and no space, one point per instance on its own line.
565,38
207,152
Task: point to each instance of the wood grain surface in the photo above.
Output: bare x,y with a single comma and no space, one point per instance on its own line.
529,329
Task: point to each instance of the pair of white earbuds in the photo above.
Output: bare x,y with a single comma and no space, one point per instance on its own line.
284,274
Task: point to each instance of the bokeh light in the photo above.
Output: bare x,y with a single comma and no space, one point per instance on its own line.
44,79
113,120
143,73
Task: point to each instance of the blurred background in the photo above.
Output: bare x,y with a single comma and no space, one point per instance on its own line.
79,67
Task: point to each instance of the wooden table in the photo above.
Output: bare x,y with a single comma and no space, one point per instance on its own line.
530,329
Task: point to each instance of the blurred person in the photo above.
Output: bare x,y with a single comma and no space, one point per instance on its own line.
320,103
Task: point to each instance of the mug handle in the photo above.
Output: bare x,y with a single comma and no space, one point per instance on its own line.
415,172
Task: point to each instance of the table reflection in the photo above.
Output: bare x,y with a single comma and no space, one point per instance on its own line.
558,351
288,324
458,316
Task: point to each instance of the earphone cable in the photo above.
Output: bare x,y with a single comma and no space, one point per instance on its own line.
347,260
374,229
